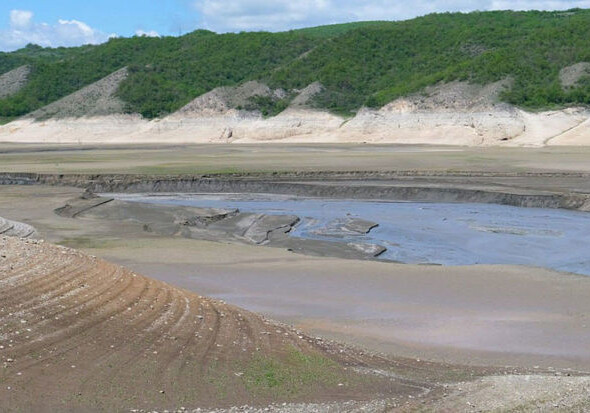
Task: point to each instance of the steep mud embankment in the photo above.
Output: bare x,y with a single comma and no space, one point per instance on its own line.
355,185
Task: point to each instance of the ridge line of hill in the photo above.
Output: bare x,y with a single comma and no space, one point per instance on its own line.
366,64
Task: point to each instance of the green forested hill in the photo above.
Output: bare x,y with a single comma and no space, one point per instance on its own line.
360,64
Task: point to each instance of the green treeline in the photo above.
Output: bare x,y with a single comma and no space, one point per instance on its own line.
360,64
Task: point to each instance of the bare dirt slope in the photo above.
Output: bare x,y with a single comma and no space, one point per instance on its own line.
223,116
13,81
455,113
78,333
570,76
92,114
97,99
454,96
223,99
304,96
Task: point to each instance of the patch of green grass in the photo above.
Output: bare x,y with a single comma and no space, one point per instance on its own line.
297,374
88,243
218,380
6,119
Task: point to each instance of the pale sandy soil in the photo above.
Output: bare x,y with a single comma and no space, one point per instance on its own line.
455,113
495,127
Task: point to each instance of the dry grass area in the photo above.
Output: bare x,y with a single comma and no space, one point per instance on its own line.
194,159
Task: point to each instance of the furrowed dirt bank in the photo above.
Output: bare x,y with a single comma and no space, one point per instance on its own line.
78,333
541,190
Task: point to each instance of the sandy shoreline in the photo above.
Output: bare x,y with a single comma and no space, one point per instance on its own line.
111,339
490,315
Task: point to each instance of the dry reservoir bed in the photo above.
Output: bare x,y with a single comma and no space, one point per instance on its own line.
78,333
491,315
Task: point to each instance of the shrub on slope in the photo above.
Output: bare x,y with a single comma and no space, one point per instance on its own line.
359,64
374,65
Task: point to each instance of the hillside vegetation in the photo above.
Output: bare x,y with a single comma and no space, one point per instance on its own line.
359,64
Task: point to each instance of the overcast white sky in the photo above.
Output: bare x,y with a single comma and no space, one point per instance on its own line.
74,22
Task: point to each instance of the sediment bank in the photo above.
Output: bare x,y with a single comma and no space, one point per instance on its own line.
498,188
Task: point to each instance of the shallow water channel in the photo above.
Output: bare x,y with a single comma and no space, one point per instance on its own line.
425,233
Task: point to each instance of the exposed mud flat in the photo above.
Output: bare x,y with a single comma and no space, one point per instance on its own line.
480,315
273,228
79,333
418,233
276,226
554,169
219,224
416,186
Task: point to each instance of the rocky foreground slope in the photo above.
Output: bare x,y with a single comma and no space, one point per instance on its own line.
78,333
